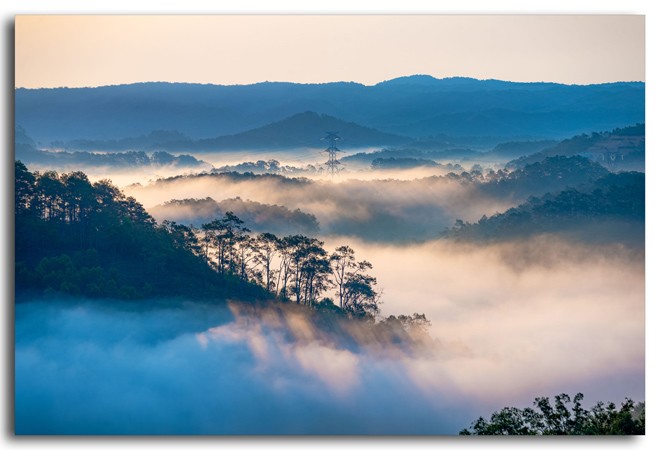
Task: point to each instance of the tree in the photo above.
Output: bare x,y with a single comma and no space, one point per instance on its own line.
182,236
266,248
285,247
232,230
305,264
79,202
360,295
109,202
78,195
24,189
137,214
315,275
49,190
342,262
246,256
90,240
355,288
214,233
561,419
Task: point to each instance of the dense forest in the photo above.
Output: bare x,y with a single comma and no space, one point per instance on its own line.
89,239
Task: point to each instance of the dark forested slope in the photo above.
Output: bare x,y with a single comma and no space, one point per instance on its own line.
609,209
89,239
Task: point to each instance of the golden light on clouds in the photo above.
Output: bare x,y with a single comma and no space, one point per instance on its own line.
74,51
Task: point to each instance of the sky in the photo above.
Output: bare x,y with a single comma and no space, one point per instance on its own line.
95,50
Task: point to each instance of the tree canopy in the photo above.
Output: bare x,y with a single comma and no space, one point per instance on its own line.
565,417
89,239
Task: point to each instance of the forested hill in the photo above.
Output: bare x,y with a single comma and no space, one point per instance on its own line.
87,239
611,209
26,150
621,148
257,216
90,240
549,175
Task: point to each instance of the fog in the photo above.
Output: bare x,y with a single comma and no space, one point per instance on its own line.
290,156
523,319
96,368
509,322
379,210
121,176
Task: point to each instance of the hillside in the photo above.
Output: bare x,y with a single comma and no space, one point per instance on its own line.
621,149
90,240
418,107
258,217
548,175
300,130
26,151
454,154
516,149
610,209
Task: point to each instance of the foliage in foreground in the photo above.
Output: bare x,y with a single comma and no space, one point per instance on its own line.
563,419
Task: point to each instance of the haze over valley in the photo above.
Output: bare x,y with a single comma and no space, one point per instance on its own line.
191,259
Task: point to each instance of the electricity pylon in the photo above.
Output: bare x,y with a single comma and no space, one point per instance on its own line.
333,165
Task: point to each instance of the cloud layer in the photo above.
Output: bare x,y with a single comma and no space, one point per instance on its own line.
510,322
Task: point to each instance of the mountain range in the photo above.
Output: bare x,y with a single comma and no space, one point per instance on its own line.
306,129
416,107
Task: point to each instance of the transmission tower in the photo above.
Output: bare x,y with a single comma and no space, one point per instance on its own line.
333,165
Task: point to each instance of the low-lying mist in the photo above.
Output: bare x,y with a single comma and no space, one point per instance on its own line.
529,317
377,210
509,322
121,176
98,368
299,157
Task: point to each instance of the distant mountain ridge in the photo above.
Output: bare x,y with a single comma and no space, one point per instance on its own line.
417,106
301,130
306,129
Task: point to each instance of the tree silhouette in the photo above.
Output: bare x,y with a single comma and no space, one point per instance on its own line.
89,239
24,190
266,248
342,262
562,419
360,295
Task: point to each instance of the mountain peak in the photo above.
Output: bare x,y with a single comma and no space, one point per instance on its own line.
304,129
411,79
